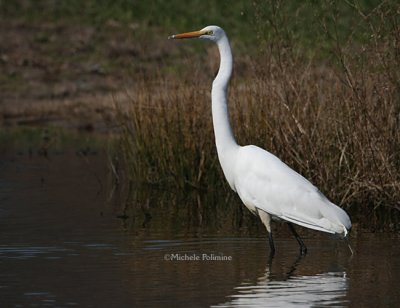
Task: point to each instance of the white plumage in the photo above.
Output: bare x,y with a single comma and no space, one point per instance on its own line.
263,181
266,185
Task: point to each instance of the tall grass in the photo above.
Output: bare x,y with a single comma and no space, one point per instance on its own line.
331,115
168,137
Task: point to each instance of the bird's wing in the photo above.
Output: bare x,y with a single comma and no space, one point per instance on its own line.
263,181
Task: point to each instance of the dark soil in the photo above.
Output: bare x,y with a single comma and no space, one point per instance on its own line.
69,75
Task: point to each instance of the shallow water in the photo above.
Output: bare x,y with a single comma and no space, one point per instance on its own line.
67,239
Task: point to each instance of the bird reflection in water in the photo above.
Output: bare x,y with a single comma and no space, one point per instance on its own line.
285,288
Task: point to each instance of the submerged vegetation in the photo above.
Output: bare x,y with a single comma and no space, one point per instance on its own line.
331,112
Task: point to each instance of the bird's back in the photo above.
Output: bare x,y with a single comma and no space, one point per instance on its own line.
264,182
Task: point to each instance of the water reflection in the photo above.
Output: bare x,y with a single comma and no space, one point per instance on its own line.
252,278
66,240
325,289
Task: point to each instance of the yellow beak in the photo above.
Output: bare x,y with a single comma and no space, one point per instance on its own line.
186,35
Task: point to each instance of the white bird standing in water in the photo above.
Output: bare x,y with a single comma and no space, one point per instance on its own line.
267,186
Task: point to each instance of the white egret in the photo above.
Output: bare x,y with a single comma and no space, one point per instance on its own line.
266,185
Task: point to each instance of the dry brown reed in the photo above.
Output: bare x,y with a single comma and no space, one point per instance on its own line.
336,122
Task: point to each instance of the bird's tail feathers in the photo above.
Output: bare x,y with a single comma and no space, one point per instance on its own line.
323,225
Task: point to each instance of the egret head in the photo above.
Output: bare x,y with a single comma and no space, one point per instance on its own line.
210,33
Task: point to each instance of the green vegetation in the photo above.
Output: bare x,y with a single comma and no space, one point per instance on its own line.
294,19
142,15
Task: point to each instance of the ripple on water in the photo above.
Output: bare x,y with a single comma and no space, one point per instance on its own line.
301,291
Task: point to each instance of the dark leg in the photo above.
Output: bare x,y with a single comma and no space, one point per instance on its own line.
303,248
293,268
266,219
271,244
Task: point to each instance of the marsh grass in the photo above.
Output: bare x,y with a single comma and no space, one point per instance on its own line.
168,136
334,120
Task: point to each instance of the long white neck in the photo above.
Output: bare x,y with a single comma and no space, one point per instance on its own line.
225,142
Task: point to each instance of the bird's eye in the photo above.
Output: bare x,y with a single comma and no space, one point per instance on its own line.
210,32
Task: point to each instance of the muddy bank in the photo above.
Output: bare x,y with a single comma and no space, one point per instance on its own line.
68,75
